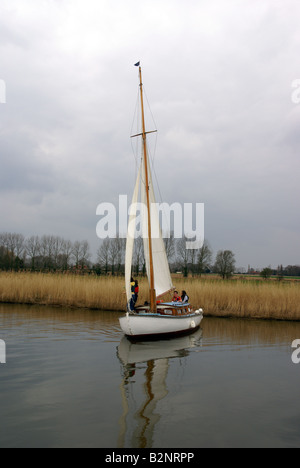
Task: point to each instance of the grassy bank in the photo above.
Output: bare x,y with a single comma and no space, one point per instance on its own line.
251,299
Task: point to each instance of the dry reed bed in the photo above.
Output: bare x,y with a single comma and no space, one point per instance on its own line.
249,299
62,290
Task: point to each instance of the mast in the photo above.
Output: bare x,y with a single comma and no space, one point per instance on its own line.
152,287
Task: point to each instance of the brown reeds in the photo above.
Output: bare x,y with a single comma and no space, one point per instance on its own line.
249,299
105,293
237,298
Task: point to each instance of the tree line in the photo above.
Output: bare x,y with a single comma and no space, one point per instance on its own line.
280,272
42,253
52,253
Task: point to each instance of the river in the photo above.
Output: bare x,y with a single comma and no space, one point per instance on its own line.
72,380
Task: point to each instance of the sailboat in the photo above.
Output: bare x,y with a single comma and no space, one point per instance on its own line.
156,318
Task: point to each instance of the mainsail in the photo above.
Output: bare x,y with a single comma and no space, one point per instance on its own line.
162,277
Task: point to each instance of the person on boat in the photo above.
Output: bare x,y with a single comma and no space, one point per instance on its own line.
184,297
176,297
136,292
132,300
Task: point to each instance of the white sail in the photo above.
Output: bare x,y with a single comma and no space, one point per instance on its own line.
131,236
162,276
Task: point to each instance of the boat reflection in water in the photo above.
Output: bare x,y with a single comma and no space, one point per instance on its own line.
145,367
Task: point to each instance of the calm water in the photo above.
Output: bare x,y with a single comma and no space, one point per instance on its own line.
72,380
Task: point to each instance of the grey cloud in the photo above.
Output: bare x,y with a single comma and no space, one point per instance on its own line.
220,91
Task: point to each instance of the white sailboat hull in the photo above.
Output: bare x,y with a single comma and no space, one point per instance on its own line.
149,325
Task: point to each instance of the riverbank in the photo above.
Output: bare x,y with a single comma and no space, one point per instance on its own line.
236,298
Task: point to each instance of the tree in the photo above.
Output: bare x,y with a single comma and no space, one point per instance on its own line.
225,263
192,257
280,273
121,253
138,255
46,250
103,255
57,251
12,249
169,242
85,253
116,252
81,253
292,270
32,247
204,258
16,244
5,258
66,249
266,273
183,255
5,254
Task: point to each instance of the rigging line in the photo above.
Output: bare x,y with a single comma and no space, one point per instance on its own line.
155,126
161,201
152,154
149,107
153,157
135,119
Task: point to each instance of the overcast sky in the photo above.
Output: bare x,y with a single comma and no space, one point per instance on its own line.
219,78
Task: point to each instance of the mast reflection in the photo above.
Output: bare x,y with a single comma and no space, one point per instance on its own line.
145,367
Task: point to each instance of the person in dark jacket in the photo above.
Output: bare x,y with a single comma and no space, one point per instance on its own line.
184,297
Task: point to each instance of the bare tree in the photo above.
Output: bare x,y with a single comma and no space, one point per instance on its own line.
15,244
6,256
32,246
170,247
4,240
85,252
81,253
182,255
204,257
57,251
66,252
20,245
225,263
192,258
103,255
47,246
138,255
113,253
121,253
